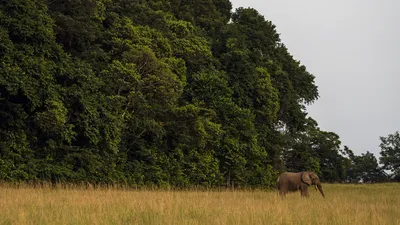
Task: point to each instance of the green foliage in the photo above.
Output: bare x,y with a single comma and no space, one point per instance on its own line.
390,154
166,93
318,151
363,168
302,152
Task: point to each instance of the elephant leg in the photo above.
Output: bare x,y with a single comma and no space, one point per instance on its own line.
282,193
304,191
282,190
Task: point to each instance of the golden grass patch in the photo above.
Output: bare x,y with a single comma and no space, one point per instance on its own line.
344,204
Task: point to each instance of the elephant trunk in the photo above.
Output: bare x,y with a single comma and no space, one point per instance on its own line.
320,190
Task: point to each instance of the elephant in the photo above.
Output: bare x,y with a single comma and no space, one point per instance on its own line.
292,182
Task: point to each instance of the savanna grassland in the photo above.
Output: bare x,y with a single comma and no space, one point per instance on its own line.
344,204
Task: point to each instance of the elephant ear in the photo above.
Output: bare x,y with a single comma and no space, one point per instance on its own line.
305,177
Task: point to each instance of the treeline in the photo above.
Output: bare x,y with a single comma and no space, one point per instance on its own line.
177,93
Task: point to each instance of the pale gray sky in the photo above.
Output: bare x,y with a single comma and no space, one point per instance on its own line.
352,47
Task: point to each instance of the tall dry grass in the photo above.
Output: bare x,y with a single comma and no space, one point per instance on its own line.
344,204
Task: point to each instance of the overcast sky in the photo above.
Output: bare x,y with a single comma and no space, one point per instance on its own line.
352,48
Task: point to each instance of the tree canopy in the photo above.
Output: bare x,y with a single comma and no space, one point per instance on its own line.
177,93
390,154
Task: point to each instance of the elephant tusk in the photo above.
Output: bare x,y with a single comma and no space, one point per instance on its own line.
315,187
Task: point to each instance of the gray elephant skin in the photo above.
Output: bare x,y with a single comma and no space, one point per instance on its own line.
291,182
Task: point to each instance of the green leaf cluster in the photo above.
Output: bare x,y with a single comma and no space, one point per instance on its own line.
165,93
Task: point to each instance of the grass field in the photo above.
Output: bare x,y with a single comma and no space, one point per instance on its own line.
344,204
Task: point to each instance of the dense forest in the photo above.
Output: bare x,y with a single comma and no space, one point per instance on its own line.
165,93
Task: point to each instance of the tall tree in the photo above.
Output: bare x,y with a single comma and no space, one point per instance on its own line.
364,168
390,154
153,93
